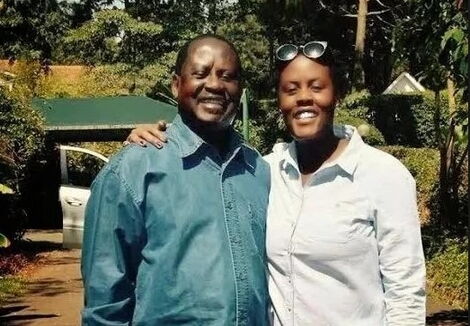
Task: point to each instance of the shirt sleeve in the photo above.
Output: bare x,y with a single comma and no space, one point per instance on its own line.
401,257
111,251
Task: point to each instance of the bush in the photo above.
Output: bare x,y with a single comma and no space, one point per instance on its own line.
408,120
266,125
21,139
447,273
12,264
423,164
13,217
369,133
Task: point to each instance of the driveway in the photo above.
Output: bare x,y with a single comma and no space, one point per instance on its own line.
54,293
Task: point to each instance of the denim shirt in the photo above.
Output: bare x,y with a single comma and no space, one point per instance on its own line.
176,236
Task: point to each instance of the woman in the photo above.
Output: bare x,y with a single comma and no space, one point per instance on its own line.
343,235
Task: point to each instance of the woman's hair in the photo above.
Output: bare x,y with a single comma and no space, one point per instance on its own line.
337,70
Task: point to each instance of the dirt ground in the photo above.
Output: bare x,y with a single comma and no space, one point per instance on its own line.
54,294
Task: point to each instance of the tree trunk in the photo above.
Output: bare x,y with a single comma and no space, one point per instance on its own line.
447,177
358,74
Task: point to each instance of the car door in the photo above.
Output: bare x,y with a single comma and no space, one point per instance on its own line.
78,167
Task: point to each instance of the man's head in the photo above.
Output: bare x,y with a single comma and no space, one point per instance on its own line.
206,83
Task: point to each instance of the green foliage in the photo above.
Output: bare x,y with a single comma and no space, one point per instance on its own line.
423,164
267,125
11,287
419,35
368,132
253,50
21,137
32,28
114,36
404,119
4,242
110,80
105,148
454,52
447,273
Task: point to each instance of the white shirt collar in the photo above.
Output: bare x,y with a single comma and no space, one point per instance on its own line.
287,154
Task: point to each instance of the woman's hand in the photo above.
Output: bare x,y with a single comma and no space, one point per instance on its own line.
148,133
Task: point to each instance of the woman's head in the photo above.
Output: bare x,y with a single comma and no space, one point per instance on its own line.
308,90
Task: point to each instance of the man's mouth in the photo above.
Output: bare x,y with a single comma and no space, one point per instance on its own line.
213,102
305,114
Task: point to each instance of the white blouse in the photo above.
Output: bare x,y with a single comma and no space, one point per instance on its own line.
344,249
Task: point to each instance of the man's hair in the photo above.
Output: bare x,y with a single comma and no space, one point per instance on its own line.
183,52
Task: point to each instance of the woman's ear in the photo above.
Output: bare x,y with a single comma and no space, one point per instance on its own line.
175,81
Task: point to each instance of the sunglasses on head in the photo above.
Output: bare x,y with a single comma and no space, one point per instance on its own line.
312,50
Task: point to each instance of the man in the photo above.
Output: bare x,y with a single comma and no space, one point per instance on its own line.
176,235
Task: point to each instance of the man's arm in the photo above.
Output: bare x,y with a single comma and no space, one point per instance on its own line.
401,256
112,244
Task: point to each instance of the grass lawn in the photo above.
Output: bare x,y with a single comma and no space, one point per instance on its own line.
10,286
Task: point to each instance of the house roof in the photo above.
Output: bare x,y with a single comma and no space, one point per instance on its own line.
99,118
405,83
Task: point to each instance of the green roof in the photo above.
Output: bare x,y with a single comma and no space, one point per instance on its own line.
112,112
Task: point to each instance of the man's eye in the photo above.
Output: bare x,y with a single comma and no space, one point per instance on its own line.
227,77
199,74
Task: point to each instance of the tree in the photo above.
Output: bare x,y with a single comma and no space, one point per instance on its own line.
253,51
432,41
31,28
114,36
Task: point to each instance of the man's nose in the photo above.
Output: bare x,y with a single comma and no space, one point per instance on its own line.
214,83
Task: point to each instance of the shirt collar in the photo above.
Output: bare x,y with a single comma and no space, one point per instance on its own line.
347,161
189,142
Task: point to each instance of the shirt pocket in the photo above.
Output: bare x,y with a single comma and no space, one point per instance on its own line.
328,223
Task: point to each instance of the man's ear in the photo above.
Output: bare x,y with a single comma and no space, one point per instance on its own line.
175,81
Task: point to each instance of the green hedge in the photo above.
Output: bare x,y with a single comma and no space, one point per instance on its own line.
408,120
447,274
370,134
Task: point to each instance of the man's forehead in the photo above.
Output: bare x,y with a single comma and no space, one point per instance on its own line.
211,46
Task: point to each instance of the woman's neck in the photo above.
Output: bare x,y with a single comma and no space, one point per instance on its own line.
313,153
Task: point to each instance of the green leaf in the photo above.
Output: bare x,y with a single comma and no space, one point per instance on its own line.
4,242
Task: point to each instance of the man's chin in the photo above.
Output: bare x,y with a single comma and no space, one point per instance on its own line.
217,121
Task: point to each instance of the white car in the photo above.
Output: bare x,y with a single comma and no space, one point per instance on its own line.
78,167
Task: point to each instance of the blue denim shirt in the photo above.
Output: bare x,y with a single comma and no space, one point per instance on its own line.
177,236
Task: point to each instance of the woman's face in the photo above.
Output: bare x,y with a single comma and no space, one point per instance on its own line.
306,97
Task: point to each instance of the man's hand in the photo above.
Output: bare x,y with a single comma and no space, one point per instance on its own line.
149,133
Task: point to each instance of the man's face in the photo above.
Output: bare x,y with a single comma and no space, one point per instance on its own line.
208,88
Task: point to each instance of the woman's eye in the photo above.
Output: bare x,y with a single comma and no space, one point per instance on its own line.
316,88
291,90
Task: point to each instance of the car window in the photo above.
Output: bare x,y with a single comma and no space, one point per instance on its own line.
82,168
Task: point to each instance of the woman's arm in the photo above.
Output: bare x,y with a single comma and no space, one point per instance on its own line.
401,258
148,133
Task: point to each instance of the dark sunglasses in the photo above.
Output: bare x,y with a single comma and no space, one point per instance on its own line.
312,50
